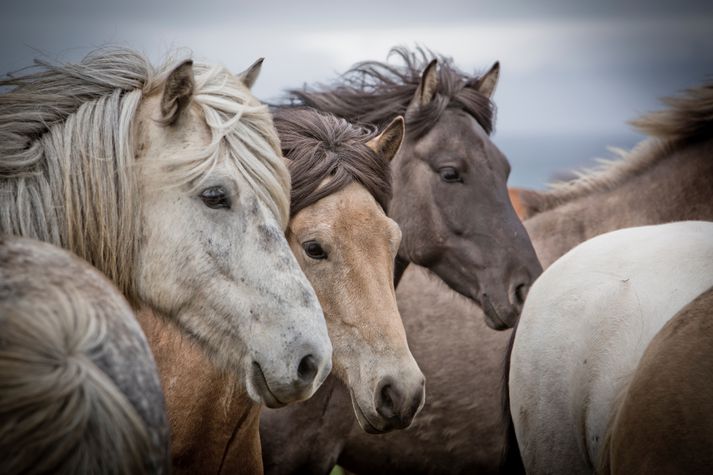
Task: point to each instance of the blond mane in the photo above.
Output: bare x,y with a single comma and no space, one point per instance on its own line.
67,152
688,119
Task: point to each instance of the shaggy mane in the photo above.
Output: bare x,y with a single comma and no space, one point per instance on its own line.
374,92
67,152
321,146
688,119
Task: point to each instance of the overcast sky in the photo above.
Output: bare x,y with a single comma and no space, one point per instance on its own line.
572,73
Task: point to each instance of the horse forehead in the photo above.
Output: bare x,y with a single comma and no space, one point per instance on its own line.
456,133
351,211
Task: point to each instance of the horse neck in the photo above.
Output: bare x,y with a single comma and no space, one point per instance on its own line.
214,423
674,188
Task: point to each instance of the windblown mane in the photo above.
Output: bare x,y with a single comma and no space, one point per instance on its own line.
373,92
67,152
73,400
688,119
321,146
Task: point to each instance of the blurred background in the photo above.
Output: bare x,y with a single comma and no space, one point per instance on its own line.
572,72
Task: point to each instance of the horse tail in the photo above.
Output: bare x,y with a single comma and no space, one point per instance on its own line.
57,399
511,459
689,116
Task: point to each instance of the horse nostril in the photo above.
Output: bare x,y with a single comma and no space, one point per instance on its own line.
521,293
385,406
307,369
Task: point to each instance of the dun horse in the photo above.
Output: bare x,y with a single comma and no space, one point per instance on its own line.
171,183
346,245
663,420
450,194
80,390
585,325
461,429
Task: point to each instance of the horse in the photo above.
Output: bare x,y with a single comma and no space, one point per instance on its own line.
462,428
662,420
346,245
80,389
447,160
584,328
514,194
171,182
433,174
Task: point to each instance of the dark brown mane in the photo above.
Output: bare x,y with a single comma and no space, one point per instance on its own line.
373,92
320,146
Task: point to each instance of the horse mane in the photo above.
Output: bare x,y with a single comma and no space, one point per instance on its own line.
374,92
321,146
67,152
62,411
688,119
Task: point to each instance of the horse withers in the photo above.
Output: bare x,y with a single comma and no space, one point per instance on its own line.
80,390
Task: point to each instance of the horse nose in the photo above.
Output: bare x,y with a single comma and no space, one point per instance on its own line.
307,370
397,404
519,294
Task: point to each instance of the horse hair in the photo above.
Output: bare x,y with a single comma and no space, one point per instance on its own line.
68,173
60,411
688,119
373,92
321,146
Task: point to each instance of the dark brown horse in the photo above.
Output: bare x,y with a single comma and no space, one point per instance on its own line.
461,429
450,195
664,419
480,248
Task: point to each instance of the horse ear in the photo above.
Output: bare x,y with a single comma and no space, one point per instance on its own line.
249,76
428,86
388,142
487,82
177,92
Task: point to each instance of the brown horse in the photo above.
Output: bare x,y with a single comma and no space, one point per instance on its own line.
663,422
514,194
450,194
346,245
434,174
80,390
461,429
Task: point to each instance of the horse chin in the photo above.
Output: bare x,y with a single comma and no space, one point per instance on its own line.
363,421
259,390
492,318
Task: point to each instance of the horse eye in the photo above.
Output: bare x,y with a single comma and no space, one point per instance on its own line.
450,175
314,250
215,197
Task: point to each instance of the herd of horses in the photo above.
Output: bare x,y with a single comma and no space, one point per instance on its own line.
176,255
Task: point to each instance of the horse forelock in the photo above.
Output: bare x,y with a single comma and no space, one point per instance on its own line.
242,132
67,150
326,154
375,92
